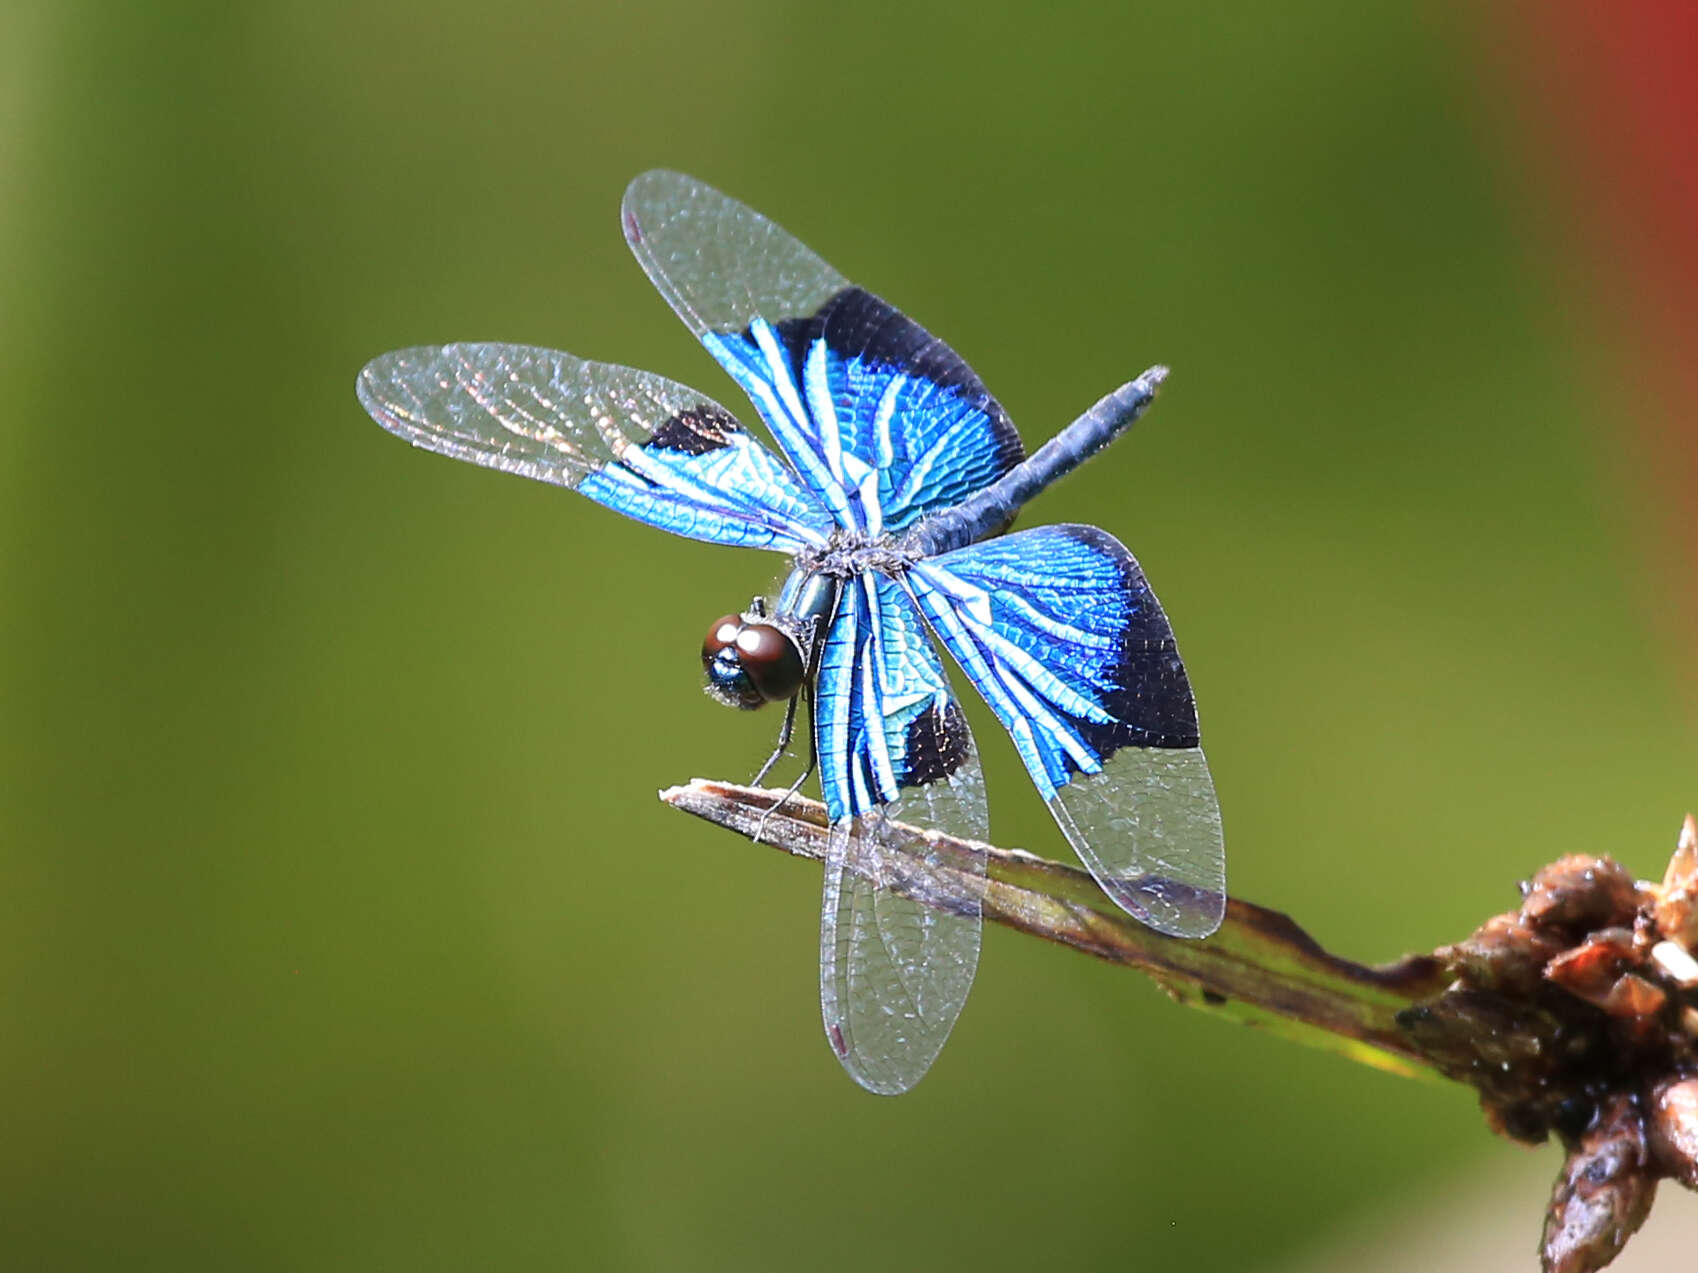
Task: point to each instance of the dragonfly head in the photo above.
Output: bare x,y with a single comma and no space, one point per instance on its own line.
750,663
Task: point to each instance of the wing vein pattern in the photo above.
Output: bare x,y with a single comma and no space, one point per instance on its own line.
899,941
883,421
650,448
1062,636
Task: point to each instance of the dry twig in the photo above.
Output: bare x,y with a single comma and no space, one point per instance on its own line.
1576,1014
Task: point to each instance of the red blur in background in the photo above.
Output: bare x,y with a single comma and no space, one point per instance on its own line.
1608,101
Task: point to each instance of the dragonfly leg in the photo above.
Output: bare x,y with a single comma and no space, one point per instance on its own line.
784,732
815,646
813,759
757,608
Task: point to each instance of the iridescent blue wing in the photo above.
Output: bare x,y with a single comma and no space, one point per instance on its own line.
644,446
898,943
1060,632
881,419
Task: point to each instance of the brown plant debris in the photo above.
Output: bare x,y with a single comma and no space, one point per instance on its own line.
1577,1014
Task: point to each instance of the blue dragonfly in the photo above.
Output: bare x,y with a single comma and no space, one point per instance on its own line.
895,478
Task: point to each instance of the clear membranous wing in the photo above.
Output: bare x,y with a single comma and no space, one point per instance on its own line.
898,944
642,445
1061,634
882,420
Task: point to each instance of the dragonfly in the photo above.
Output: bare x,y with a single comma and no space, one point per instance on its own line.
894,481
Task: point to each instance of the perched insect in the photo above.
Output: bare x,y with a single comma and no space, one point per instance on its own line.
895,474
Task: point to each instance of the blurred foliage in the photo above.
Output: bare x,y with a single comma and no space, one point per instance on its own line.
342,930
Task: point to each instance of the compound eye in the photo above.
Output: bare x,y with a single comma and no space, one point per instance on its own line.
771,659
720,634
749,665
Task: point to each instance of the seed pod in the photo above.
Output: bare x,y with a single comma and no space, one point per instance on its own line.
1672,1126
1603,1193
1581,893
1505,954
1676,911
1590,969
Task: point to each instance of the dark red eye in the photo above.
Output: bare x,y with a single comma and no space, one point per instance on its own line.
750,664
772,660
723,632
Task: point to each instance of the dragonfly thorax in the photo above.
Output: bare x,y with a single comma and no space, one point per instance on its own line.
850,553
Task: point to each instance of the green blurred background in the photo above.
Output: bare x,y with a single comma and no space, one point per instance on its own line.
339,926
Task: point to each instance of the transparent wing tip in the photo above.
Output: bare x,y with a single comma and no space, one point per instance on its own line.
874,1082
649,196
1148,827
895,970
1168,906
386,383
